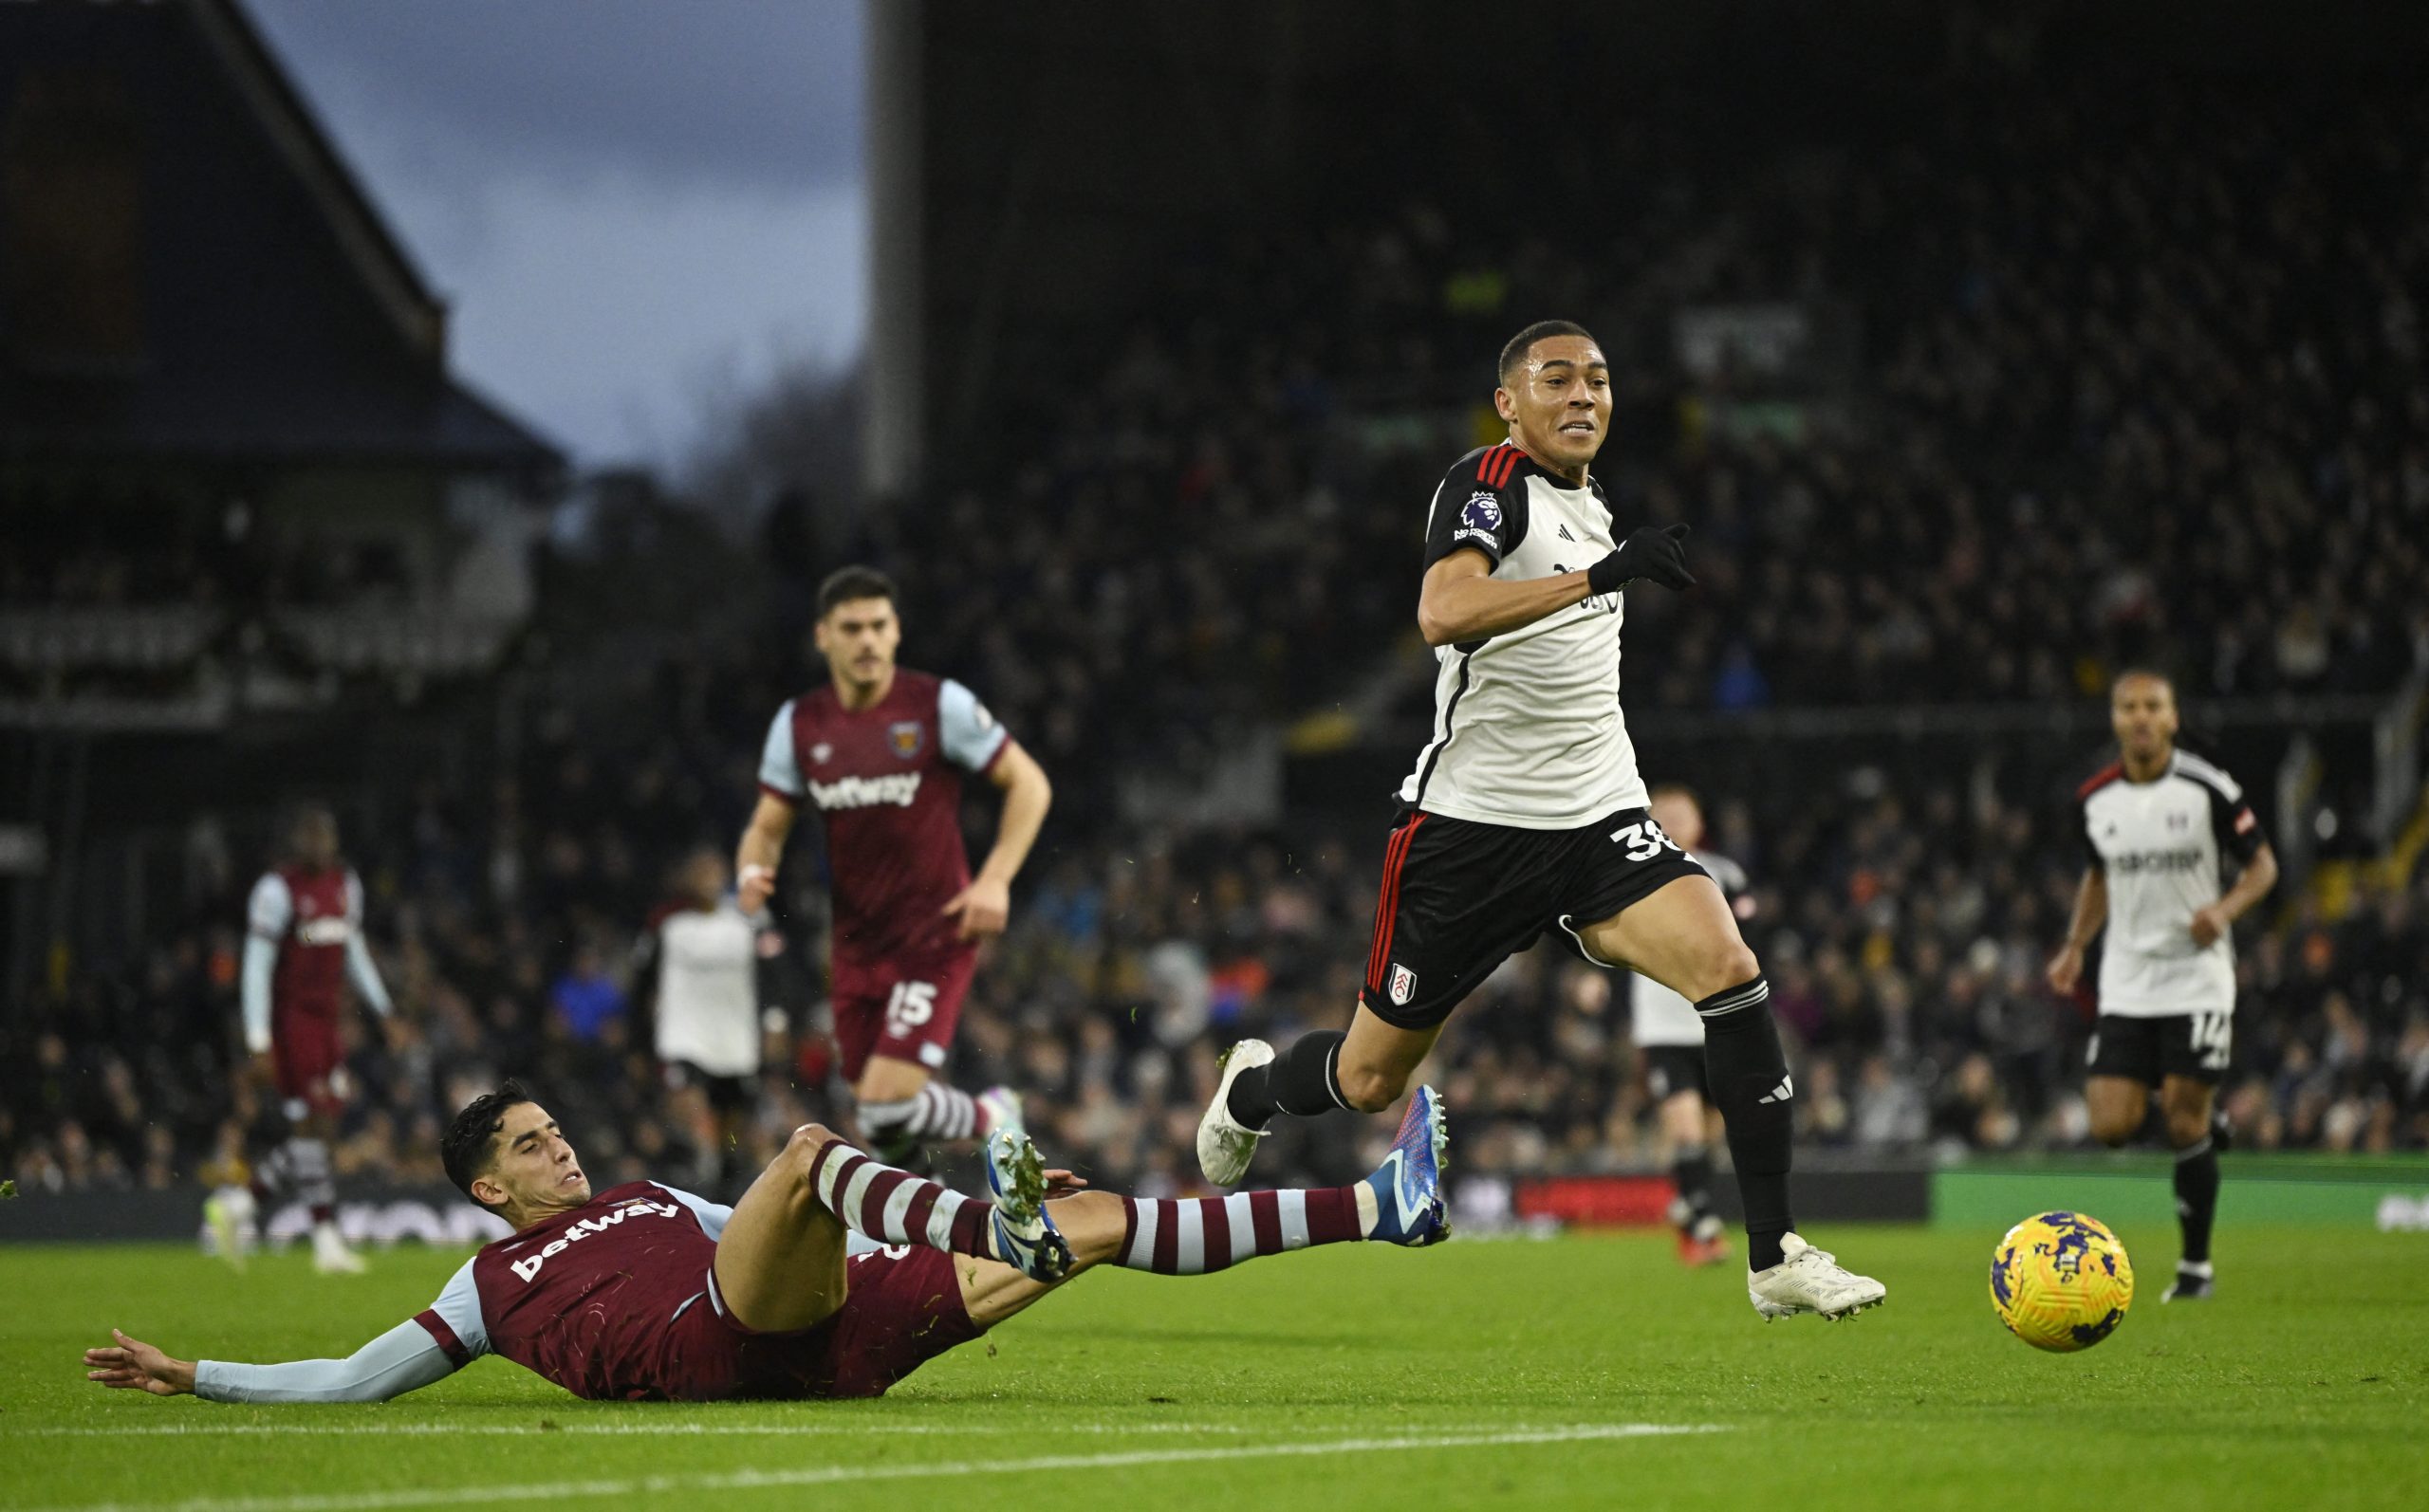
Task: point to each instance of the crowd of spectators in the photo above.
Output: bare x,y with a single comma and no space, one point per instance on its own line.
1904,933
2139,371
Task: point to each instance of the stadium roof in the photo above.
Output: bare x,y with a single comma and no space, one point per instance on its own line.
189,270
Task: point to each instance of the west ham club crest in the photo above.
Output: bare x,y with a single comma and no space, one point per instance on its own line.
907,735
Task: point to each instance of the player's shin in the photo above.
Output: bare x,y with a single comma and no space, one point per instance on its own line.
1691,1173
1302,1082
893,1206
1747,1073
2197,1197
1191,1236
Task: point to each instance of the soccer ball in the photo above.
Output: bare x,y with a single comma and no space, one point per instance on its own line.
2061,1281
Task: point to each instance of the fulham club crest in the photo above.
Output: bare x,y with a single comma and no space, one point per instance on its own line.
1404,985
906,736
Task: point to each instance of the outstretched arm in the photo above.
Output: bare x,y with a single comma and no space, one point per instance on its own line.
402,1359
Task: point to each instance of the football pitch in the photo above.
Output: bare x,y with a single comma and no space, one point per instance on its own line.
1583,1371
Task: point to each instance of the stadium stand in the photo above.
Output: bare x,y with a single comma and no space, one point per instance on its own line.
1207,521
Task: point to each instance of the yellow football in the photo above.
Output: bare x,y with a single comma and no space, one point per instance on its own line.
2061,1281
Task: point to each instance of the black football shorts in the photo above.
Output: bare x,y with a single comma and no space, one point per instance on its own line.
2181,1044
1460,897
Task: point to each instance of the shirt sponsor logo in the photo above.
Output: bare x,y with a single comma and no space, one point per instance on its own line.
1483,512
2189,859
901,790
529,1265
323,932
906,736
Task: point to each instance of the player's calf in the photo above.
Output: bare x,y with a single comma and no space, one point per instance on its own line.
893,1206
1747,1073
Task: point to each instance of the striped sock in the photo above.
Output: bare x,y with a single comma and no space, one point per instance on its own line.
897,1207
945,1112
938,1111
308,1164
1189,1236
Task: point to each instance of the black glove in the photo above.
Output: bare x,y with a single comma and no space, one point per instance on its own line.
1658,554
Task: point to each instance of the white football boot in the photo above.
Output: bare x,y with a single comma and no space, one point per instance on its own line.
331,1255
1002,1107
1225,1146
1811,1280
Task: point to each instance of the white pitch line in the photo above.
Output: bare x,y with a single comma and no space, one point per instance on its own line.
136,1430
842,1474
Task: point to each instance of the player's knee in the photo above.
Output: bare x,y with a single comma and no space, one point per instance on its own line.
2186,1126
2114,1132
806,1142
1369,1089
1723,965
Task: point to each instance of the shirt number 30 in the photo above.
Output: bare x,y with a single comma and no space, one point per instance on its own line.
1644,840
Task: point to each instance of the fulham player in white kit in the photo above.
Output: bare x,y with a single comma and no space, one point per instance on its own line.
2158,826
1525,816
705,957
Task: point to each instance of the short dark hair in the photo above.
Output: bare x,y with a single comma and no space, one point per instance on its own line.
1515,353
2144,669
847,583
466,1147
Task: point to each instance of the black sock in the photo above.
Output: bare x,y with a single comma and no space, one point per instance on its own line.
1690,1173
2197,1197
1751,1086
1301,1081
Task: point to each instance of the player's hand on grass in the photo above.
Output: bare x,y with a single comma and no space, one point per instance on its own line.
2067,968
984,908
133,1365
1655,554
2208,924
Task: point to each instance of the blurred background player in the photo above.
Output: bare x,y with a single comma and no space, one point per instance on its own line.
2159,825
1671,1039
881,752
704,954
303,942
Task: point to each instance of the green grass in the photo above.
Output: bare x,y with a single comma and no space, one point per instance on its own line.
2305,1383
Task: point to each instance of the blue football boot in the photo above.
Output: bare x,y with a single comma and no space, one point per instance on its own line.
1408,1185
1024,1235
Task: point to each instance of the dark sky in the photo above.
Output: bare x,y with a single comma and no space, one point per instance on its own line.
634,206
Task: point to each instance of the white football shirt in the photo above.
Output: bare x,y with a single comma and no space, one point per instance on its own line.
2161,845
707,989
1527,724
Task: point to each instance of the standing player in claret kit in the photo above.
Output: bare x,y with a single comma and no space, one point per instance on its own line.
881,752
2157,826
303,942
1670,1036
1526,815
